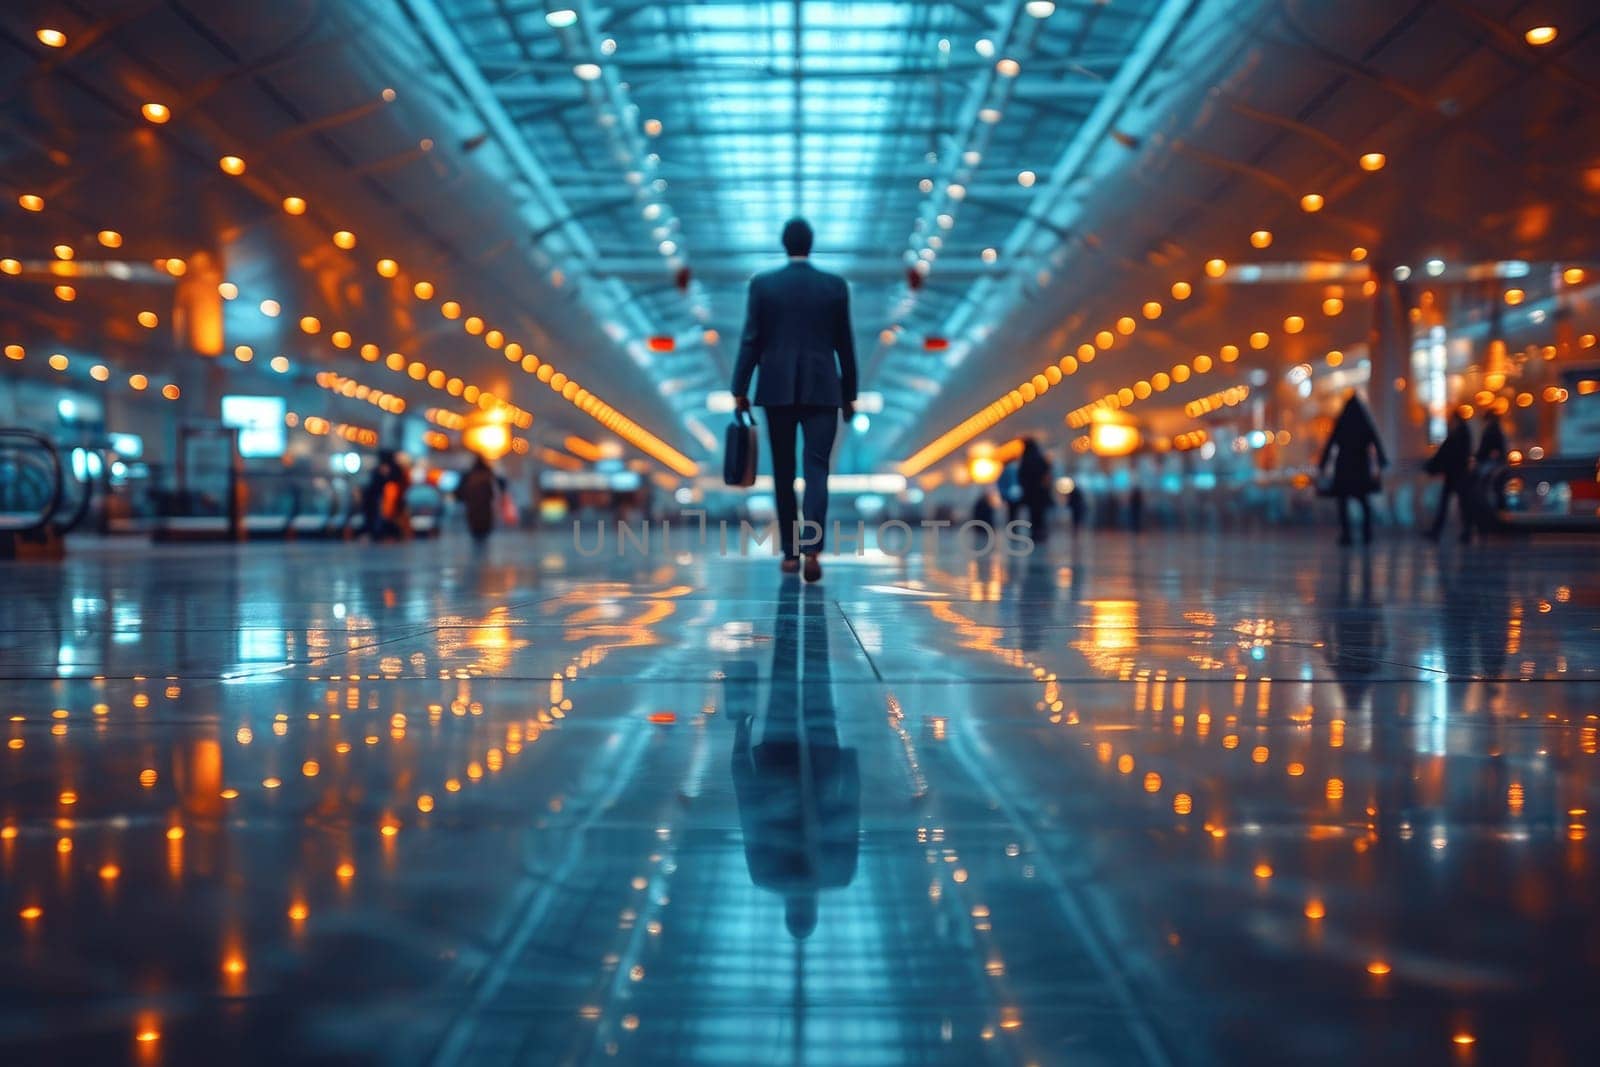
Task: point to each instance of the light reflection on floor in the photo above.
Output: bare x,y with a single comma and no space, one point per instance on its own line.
1179,800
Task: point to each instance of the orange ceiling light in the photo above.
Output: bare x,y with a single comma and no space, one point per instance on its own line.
1030,390
31,202
582,449
570,390
1373,161
231,165
1538,36
51,37
156,114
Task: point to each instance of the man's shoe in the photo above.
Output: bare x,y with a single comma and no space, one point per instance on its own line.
813,571
790,564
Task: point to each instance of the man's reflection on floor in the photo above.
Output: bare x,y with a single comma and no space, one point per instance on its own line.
799,792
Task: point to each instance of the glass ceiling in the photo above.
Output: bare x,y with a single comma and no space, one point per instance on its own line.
680,136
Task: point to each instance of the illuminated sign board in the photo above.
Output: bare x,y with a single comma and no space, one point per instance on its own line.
259,420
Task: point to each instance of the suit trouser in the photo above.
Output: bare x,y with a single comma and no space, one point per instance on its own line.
818,425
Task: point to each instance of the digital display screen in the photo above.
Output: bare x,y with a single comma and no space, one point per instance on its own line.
592,481
259,420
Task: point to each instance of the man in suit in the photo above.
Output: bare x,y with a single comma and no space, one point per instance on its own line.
797,323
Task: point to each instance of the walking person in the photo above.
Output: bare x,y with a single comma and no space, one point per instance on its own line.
477,492
1077,505
1034,478
378,525
1487,462
1492,446
1453,463
797,331
1357,456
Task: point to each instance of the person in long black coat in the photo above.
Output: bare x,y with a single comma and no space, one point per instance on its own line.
1453,462
1357,456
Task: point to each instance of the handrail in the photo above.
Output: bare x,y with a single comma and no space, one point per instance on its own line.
48,447
80,510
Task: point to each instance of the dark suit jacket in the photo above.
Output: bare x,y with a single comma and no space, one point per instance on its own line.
798,321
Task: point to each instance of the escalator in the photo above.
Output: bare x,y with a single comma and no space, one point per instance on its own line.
40,501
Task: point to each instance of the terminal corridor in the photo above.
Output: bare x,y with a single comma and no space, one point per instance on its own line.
799,533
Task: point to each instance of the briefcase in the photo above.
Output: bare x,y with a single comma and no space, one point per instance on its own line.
740,451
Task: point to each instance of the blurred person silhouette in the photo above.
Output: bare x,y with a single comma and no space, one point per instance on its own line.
1077,505
1357,456
1009,486
1492,447
983,509
372,498
1452,462
1490,458
477,491
798,790
1034,489
396,506
797,324
1136,509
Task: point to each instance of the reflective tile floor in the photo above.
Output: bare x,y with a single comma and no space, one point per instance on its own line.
1185,799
